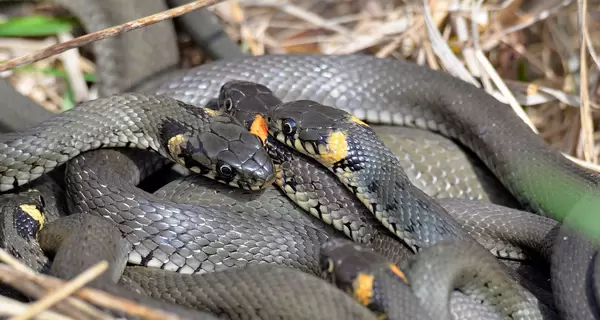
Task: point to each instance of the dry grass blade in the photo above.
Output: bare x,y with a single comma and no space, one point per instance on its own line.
10,307
71,295
17,278
70,306
102,34
70,60
487,66
443,51
585,164
534,94
64,291
13,262
300,13
587,126
529,19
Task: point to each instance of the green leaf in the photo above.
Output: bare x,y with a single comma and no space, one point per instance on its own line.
522,70
68,102
34,25
55,72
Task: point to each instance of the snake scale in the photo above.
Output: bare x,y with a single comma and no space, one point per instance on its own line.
365,115
93,172
368,88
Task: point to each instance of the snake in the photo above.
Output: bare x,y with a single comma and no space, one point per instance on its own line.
384,287
352,150
359,110
197,296
387,91
86,164
87,168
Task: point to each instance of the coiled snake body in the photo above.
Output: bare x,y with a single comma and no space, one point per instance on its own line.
395,92
373,90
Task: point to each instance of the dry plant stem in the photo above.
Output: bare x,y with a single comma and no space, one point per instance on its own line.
64,291
109,32
95,296
587,127
10,307
18,280
13,262
130,307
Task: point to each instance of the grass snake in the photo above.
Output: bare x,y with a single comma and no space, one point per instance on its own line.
360,160
209,78
93,170
386,91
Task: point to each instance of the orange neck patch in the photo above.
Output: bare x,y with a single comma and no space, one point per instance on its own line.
358,121
397,272
336,149
260,128
363,288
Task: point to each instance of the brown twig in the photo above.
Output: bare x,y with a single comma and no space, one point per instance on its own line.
14,262
587,125
10,307
64,291
94,296
109,32
71,307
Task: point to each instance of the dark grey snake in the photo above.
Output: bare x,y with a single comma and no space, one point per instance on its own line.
352,150
87,193
329,90
369,87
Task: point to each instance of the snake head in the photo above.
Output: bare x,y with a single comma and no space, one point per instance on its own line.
319,131
342,260
28,212
225,152
244,100
355,268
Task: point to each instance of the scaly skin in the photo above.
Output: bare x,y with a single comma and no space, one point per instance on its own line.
180,237
388,91
169,127
63,239
457,265
260,291
354,153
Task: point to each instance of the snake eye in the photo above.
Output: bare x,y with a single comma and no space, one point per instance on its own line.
327,269
40,198
330,265
289,127
228,104
42,201
225,170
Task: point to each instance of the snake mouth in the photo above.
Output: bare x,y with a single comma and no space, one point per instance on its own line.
264,182
252,185
268,182
247,186
247,183
255,180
